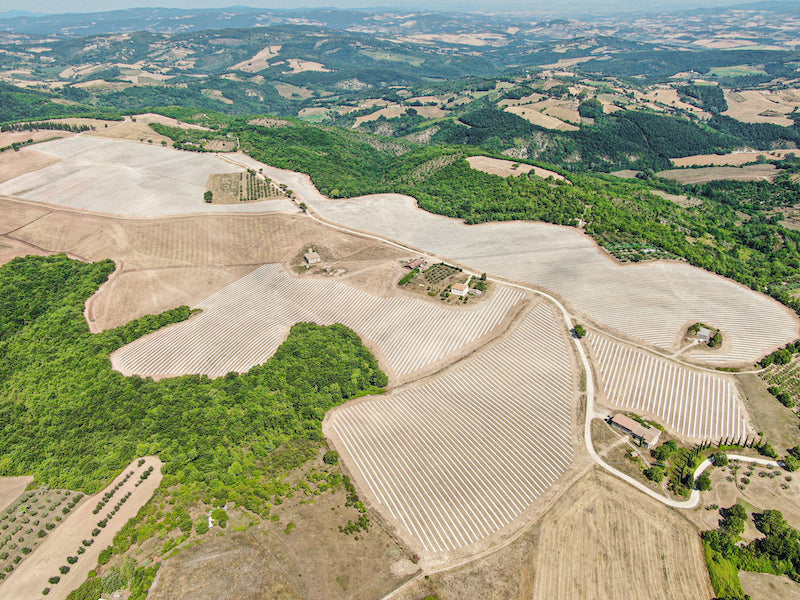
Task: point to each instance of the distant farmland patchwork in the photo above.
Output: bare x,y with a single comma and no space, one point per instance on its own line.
693,403
245,322
455,460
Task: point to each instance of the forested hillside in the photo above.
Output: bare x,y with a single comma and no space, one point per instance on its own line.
66,417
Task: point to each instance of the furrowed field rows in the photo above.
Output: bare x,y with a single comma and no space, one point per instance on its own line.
652,302
694,404
245,322
457,459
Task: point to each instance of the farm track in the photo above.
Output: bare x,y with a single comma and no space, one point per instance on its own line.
457,459
245,322
695,404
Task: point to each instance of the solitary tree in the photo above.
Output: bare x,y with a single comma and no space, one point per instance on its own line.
579,330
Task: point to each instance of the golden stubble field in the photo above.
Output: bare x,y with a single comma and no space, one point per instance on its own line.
601,540
166,262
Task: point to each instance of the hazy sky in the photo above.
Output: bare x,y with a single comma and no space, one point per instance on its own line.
543,6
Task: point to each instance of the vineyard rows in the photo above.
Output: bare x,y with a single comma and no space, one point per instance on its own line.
695,404
457,459
245,322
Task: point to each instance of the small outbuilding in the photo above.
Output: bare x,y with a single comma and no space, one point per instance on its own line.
311,258
646,436
704,334
459,289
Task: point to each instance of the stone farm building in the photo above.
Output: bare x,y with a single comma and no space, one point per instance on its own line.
647,436
311,257
459,289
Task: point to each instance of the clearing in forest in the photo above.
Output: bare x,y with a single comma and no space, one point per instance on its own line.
507,168
695,404
243,324
457,459
758,172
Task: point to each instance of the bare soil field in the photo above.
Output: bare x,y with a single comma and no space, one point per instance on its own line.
669,96
299,552
705,174
454,461
32,576
762,106
602,541
390,112
131,130
289,91
11,488
298,65
734,159
14,164
506,168
10,137
778,423
535,116
763,586
243,324
768,488
259,61
651,302
164,263
124,178
679,199
694,404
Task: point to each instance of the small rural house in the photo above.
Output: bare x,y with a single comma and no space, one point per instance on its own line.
704,334
646,436
311,257
417,263
459,289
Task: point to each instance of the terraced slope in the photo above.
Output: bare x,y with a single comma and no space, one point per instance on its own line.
245,322
455,460
695,404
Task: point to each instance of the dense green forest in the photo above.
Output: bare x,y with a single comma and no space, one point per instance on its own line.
69,419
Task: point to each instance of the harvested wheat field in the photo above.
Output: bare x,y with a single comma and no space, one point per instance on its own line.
734,159
459,458
535,116
608,540
14,164
34,572
700,175
11,137
244,323
694,404
762,106
506,168
651,302
125,178
164,263
131,130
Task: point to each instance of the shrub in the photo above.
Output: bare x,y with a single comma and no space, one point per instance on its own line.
105,555
25,550
72,559
654,474
201,526
703,483
790,463
45,591
331,457
64,569
720,459
55,579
